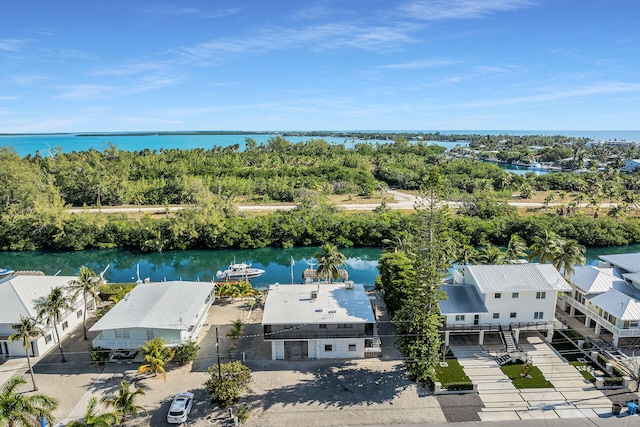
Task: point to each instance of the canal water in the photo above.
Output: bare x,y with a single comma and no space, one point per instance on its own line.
125,266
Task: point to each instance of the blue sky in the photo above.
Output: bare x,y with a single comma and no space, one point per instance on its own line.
127,65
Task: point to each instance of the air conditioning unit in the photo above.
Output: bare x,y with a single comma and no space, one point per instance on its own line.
314,294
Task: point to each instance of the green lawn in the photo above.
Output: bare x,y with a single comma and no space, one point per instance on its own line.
537,380
451,374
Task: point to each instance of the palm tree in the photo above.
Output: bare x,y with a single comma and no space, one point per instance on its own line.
124,401
20,409
329,262
570,253
465,254
93,419
51,308
26,330
490,255
544,247
86,284
618,211
516,248
156,355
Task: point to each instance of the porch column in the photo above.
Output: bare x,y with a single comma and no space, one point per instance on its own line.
516,335
616,337
446,337
481,338
598,327
587,321
550,333
572,310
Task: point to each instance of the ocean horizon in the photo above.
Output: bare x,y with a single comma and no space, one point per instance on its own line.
46,143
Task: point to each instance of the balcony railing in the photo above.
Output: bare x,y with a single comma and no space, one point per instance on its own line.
495,327
620,332
308,335
471,328
127,343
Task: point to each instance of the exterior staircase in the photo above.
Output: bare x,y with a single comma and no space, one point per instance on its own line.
513,352
374,346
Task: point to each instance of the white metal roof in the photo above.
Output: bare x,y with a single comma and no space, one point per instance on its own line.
162,305
292,304
618,304
594,280
517,278
461,299
628,262
20,294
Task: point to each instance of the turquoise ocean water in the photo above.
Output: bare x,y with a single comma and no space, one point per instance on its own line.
45,143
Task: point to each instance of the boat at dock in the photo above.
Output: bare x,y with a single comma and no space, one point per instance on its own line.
239,271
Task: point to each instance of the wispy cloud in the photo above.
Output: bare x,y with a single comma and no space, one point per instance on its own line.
427,63
152,83
599,88
129,69
177,11
12,45
436,10
85,91
323,36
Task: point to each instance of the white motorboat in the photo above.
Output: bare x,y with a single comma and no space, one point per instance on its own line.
239,271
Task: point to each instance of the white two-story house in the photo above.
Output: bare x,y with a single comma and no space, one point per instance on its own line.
19,294
608,296
513,297
327,321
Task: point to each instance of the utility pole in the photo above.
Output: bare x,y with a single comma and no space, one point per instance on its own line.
218,353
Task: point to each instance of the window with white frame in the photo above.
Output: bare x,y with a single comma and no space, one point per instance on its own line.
496,315
515,295
541,295
328,347
352,347
633,324
65,325
497,295
150,334
121,333
538,315
459,317
47,339
512,315
79,314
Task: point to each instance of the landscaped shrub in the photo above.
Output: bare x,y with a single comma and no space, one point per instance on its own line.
617,372
602,360
99,354
611,381
185,353
460,386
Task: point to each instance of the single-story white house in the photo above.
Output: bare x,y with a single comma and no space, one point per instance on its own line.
173,310
320,321
608,295
501,297
19,294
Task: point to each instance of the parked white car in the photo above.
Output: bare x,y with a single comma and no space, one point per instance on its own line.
180,408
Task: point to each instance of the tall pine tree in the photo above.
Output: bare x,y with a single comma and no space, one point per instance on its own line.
419,318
